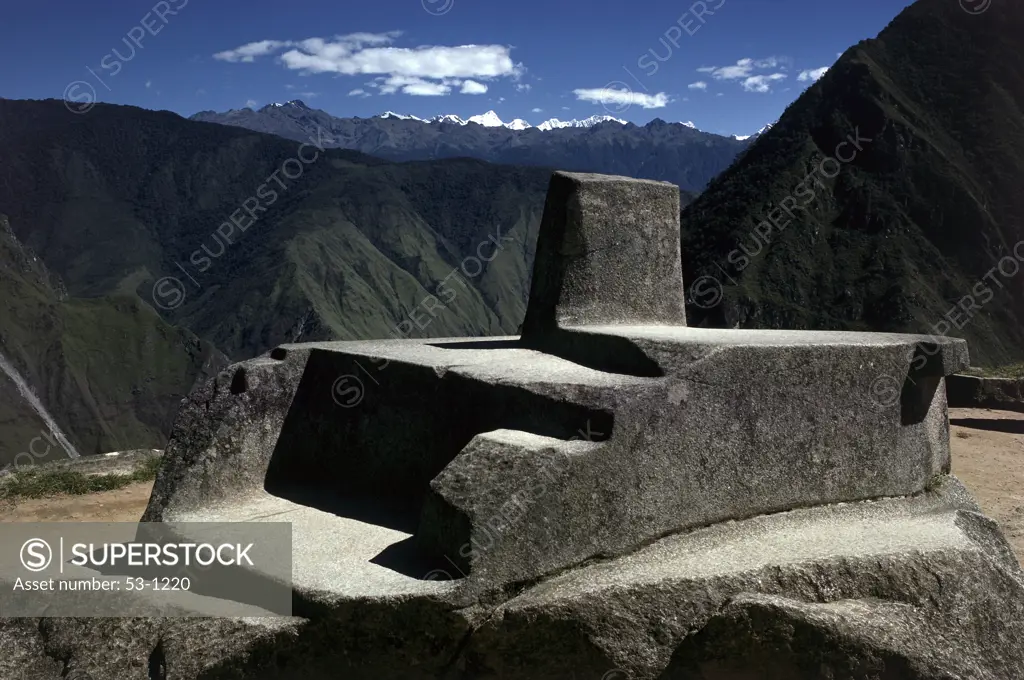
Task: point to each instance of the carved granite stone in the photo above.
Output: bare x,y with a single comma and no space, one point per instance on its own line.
612,492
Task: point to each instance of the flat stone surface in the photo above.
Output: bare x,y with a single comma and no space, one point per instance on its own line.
490,359
778,540
331,555
763,337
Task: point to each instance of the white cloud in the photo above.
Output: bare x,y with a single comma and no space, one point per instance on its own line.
149,83
606,95
565,108
251,103
248,52
744,68
762,84
699,85
473,87
357,92
308,95
812,75
429,70
537,110
427,89
412,85
523,87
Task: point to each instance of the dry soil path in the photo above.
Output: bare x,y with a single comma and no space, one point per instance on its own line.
120,505
988,456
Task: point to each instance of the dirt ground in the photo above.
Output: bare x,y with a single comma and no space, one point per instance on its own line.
120,505
988,455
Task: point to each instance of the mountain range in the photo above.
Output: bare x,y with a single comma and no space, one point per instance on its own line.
489,119
885,198
126,209
672,152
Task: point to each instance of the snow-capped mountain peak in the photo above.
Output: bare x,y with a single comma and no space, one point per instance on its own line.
492,120
297,103
489,119
688,124
760,132
447,118
554,123
398,116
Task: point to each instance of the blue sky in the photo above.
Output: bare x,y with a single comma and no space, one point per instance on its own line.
730,66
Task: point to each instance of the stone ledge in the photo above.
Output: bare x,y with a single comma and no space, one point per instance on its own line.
969,391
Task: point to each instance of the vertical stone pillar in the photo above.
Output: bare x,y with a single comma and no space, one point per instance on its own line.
608,253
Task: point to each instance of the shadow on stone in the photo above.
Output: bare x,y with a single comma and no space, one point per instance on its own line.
409,559
481,344
607,353
373,461
398,514
1009,426
923,378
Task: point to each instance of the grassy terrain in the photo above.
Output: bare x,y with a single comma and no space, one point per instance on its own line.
42,482
347,249
1015,371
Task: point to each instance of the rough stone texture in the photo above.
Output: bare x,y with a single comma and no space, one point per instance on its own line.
224,435
472,517
613,493
763,636
732,427
970,391
923,560
687,426
898,588
607,252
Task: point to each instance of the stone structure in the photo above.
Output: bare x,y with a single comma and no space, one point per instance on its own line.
974,391
613,491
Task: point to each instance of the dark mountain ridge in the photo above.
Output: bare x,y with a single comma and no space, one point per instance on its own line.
909,234
671,152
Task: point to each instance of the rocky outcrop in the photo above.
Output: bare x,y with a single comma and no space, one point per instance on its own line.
595,499
921,587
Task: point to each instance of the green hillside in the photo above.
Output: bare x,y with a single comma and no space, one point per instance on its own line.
108,369
124,199
131,211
